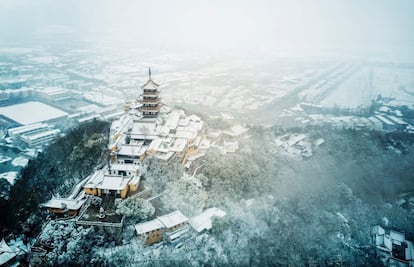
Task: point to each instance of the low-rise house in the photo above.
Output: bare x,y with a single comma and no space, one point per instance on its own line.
131,153
152,231
28,129
124,169
387,124
173,221
40,138
101,184
393,247
203,221
62,206
169,226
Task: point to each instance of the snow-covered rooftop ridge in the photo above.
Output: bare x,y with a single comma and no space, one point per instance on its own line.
113,182
38,112
125,167
151,85
203,221
62,203
173,218
26,128
165,221
148,226
132,150
33,137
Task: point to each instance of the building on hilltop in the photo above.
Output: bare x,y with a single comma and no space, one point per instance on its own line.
150,99
104,182
147,130
394,249
170,226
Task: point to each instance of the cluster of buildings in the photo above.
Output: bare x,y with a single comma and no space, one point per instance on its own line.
147,128
173,226
393,247
34,135
386,118
299,146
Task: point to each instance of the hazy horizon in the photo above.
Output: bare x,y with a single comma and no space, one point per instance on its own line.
237,26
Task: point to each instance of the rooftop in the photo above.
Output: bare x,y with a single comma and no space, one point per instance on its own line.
203,221
62,203
149,226
151,85
172,219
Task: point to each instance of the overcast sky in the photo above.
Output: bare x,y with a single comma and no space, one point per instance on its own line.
235,24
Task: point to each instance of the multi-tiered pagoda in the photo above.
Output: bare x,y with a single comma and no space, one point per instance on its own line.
150,99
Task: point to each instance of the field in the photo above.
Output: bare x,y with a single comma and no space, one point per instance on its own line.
366,84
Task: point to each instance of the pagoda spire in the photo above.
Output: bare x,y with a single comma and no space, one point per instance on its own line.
150,98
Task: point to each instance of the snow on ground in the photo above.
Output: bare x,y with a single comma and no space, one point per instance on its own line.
43,60
20,162
389,82
9,176
31,112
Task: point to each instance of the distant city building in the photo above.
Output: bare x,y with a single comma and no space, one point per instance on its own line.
41,138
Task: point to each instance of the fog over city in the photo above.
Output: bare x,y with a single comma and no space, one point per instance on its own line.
216,25
207,133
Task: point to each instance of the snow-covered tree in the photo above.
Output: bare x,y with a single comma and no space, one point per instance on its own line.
135,208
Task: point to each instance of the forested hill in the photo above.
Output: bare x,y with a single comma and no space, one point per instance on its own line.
54,171
281,210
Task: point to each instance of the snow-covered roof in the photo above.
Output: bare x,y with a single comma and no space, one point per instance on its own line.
149,226
172,120
125,167
36,136
165,156
9,176
155,144
203,221
131,150
38,112
384,120
62,203
145,130
151,85
6,253
173,219
397,120
295,139
27,128
397,236
113,182
179,145
95,179
186,134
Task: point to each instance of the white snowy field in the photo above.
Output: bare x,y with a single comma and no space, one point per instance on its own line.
389,82
9,176
31,112
20,162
